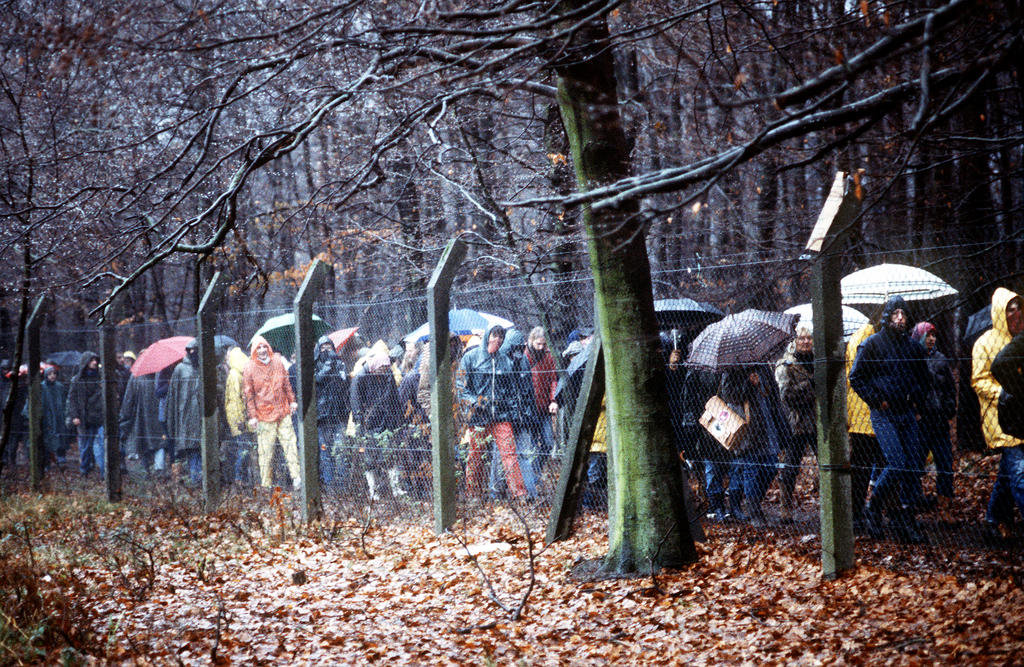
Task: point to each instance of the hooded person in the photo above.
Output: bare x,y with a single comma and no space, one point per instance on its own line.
238,430
939,407
378,416
84,414
270,402
890,374
53,396
486,390
1007,323
184,410
139,425
331,379
526,422
794,374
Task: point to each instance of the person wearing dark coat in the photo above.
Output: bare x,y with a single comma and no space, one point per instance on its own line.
525,419
332,391
10,380
84,414
751,391
939,406
487,391
794,374
53,396
141,430
378,417
890,374
184,412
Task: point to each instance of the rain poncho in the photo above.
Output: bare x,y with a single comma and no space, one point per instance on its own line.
985,385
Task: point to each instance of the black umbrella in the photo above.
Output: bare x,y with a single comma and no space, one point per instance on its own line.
64,358
977,324
685,312
750,337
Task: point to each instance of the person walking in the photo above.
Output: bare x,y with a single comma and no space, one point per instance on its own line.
184,411
85,413
332,409
270,402
891,374
486,389
239,430
53,396
794,374
939,407
142,433
751,391
1008,489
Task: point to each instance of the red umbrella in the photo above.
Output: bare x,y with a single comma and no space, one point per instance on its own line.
342,336
161,354
23,369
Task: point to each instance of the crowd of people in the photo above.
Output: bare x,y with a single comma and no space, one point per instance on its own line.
373,404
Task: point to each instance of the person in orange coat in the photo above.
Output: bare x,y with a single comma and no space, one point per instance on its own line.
270,402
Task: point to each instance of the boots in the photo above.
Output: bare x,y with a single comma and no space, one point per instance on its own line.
396,483
734,508
786,511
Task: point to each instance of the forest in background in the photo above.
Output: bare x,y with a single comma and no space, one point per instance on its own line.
146,145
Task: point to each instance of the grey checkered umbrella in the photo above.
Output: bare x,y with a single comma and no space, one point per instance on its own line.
750,337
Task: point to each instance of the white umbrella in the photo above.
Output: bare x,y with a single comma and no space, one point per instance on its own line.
876,284
852,319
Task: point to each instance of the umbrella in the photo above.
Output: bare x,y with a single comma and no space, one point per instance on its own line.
222,342
462,321
852,319
280,332
750,337
977,324
342,336
65,358
161,354
684,312
876,284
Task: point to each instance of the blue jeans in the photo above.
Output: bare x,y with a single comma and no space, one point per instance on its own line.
899,438
596,492
935,438
716,469
750,476
91,449
1009,486
331,470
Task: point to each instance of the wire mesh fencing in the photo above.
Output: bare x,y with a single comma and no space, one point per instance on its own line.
921,471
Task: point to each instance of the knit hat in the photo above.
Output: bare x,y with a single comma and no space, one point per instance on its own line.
921,331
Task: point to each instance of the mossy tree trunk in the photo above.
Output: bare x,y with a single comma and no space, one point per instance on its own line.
648,525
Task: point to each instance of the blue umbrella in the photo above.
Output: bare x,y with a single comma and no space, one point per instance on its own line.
462,322
685,312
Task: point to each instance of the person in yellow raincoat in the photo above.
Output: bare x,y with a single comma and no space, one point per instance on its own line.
240,442
1007,321
865,454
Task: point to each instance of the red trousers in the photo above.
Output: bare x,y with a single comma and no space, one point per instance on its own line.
478,439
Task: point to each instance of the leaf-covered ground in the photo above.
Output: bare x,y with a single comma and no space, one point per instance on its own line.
155,582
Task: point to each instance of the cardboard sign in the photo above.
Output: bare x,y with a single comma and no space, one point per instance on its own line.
723,423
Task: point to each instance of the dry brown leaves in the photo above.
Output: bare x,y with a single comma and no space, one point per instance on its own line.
420,599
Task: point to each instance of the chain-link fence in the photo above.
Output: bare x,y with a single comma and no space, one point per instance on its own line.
929,464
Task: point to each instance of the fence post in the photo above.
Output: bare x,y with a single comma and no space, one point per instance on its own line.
442,431
837,548
111,404
209,436
35,435
577,446
309,442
